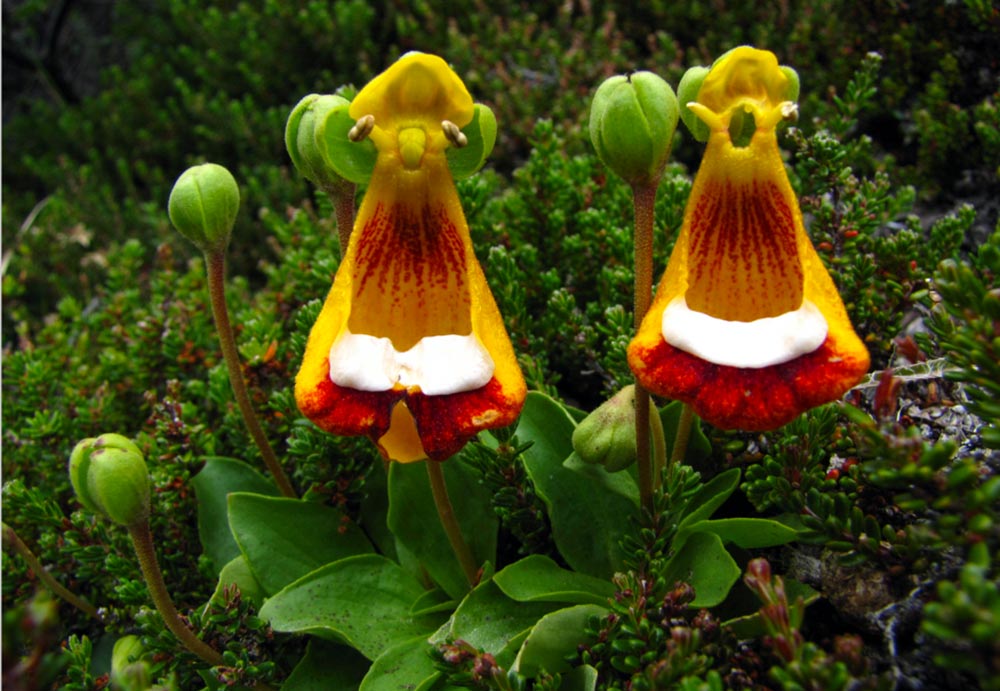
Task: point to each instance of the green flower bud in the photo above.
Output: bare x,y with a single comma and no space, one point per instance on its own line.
203,206
129,672
632,123
110,478
607,436
304,148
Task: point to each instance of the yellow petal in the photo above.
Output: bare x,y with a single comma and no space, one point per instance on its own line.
402,441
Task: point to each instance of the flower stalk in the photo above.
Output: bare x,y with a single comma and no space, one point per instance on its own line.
643,199
142,542
450,523
216,265
13,541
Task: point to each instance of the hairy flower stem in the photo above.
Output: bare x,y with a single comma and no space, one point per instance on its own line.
643,199
450,524
142,541
342,196
12,540
659,447
216,264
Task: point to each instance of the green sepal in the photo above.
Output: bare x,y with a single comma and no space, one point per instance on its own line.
482,135
687,92
354,161
304,147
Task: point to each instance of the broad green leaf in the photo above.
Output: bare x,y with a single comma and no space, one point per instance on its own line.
413,518
554,638
375,510
482,135
238,573
432,601
711,496
705,564
219,478
582,678
749,533
353,161
589,508
284,539
539,578
363,601
489,620
327,666
406,666
699,448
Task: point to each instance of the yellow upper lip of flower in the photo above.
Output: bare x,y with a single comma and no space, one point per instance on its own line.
745,78
409,102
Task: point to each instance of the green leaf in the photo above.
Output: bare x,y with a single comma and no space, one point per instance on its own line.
413,518
406,666
556,637
219,478
589,508
749,533
284,539
354,161
363,601
539,578
704,563
482,135
582,678
431,602
375,510
711,496
238,573
489,620
327,666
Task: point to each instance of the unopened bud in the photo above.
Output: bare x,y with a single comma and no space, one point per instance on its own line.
129,672
110,478
632,123
607,436
203,206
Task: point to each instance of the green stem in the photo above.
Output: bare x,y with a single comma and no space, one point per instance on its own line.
12,539
450,523
142,541
682,437
659,446
643,199
216,263
342,197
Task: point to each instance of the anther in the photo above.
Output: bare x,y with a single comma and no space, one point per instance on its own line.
789,111
454,134
362,128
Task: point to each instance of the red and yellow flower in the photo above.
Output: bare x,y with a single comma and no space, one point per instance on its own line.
409,348
747,326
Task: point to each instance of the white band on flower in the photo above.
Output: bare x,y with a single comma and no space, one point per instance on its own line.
759,343
439,365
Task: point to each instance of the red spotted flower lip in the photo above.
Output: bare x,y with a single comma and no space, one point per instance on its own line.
747,325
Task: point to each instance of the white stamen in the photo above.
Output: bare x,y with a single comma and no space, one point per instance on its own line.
759,343
438,365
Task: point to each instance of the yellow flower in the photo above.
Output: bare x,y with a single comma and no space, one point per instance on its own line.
410,348
747,325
